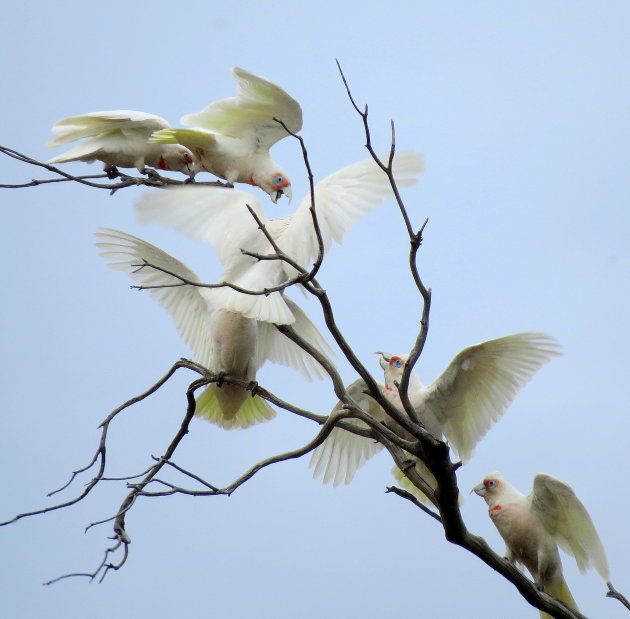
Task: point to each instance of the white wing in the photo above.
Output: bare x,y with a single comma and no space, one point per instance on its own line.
251,113
96,123
214,215
185,304
567,520
480,382
341,200
343,453
278,348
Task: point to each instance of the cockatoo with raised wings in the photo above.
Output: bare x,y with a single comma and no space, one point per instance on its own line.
220,340
231,138
470,395
119,139
221,217
534,525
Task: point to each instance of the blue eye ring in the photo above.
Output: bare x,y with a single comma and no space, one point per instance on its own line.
491,483
277,180
396,362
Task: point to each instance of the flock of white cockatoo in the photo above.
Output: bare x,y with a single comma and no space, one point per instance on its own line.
233,333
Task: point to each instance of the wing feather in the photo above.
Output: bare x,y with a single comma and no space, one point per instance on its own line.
341,200
258,101
475,389
343,453
95,123
567,520
186,305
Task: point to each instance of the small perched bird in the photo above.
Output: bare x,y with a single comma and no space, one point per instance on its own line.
119,139
534,525
231,138
221,217
224,342
462,404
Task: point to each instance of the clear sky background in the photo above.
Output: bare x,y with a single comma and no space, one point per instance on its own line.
522,112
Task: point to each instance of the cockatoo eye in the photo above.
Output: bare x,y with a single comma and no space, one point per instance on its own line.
490,483
187,158
396,362
278,181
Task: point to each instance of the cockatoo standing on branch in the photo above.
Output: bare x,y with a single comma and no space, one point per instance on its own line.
119,138
231,138
534,525
221,217
470,395
220,340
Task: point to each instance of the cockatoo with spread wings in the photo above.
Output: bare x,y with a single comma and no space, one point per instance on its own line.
470,395
534,525
221,217
119,138
220,340
231,138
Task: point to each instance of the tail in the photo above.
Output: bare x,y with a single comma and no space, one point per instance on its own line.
560,590
232,408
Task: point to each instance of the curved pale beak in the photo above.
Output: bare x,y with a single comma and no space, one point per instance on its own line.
479,489
384,360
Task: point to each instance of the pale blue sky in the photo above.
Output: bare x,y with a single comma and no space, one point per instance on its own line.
522,112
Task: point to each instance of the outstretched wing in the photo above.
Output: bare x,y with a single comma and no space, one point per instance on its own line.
566,518
251,113
96,123
215,215
343,453
341,200
475,389
186,305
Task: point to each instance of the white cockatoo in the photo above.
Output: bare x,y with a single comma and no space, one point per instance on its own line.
119,138
231,138
220,216
220,340
470,395
534,525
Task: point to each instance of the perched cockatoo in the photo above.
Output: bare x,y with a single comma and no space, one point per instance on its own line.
462,404
220,217
533,527
231,138
119,138
220,340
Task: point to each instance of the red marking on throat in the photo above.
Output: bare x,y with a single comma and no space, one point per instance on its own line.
162,164
496,508
251,180
389,388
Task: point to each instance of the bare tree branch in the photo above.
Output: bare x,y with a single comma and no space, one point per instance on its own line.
152,180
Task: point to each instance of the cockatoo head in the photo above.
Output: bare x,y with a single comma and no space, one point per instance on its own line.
177,158
275,184
491,486
393,366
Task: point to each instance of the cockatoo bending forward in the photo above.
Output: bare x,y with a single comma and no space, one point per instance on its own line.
231,138
221,340
534,525
220,217
119,138
462,404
